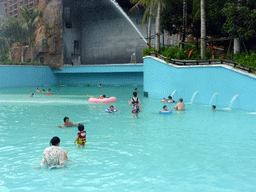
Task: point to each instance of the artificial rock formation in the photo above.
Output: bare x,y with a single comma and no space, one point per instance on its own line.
48,36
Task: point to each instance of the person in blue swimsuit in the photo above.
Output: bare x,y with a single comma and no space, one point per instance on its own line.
135,101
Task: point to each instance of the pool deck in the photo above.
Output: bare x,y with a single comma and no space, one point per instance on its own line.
111,68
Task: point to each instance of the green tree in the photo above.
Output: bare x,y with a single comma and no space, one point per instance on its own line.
240,20
31,19
12,31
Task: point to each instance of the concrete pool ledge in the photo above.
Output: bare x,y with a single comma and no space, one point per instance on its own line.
210,65
110,68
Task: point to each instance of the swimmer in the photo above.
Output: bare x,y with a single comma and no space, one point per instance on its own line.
135,101
43,91
38,90
165,109
180,106
100,85
136,90
112,110
100,97
81,136
67,123
214,108
164,100
49,92
54,155
170,100
31,95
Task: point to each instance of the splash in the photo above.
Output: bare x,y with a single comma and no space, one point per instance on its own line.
232,101
128,18
213,98
191,101
173,93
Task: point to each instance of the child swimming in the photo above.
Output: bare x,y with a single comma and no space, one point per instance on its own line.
38,90
112,110
81,136
165,109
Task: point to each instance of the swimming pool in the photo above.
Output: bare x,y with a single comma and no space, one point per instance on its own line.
197,150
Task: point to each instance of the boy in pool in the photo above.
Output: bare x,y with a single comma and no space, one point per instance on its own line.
81,136
67,123
170,100
165,109
112,110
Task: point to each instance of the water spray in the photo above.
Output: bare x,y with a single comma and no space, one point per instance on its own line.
128,18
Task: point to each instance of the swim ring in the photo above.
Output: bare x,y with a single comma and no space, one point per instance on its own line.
108,110
165,112
107,100
163,101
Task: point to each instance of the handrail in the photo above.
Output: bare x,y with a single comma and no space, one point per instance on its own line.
204,62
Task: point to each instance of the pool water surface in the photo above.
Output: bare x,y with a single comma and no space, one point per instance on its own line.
195,150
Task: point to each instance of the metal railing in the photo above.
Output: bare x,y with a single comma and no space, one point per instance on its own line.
234,64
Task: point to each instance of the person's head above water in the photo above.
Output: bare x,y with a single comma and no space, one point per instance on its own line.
104,96
111,107
80,127
181,100
135,94
214,107
55,141
170,97
164,107
65,119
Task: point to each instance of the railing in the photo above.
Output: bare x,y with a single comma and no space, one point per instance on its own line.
204,62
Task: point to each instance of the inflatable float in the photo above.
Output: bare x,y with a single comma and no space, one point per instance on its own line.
108,110
165,112
163,101
107,100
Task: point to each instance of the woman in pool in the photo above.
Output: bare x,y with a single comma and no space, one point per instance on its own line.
135,101
165,109
100,97
54,155
67,123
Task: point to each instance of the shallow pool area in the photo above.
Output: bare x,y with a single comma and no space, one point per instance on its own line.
195,150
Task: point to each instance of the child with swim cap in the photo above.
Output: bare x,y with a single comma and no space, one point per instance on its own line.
81,136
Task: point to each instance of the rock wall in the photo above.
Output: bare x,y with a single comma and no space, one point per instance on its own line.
48,36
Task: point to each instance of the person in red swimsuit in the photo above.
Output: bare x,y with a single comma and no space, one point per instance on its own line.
81,136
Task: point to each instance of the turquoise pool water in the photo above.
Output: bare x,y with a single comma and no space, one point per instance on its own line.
197,150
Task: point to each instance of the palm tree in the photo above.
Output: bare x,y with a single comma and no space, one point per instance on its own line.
203,29
153,9
31,18
12,31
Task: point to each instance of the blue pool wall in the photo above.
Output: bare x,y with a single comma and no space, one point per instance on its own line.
101,74
21,76
161,79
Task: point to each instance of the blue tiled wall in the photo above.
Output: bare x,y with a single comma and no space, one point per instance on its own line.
20,76
161,79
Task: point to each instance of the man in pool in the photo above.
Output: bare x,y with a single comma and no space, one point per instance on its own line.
180,106
67,123
100,97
